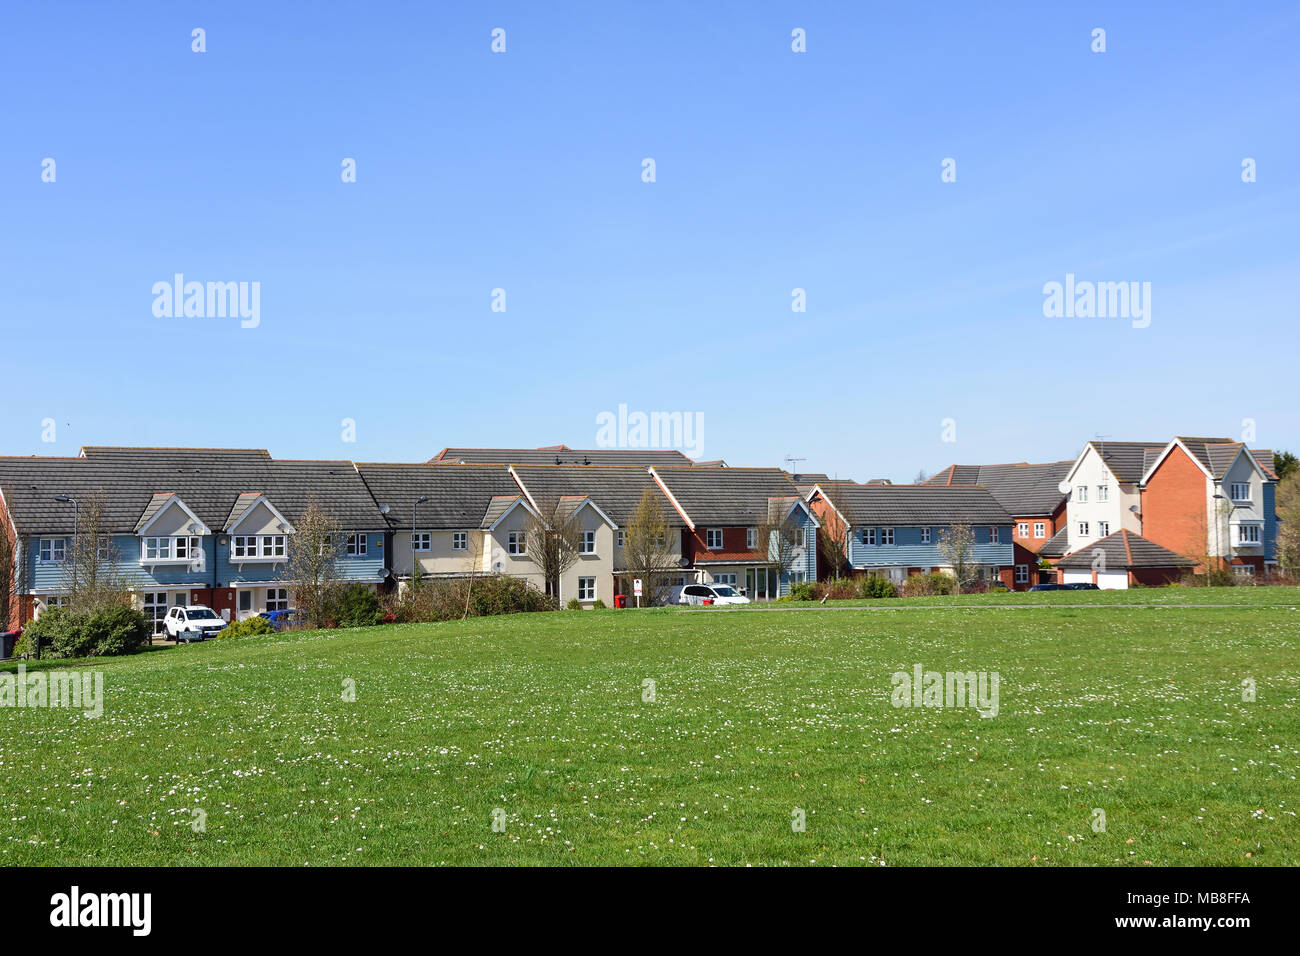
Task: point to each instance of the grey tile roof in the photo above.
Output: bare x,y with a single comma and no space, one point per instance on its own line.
615,490
727,497
1128,460
568,456
458,495
1266,460
208,484
496,509
1125,550
175,457
1023,489
917,504
1056,545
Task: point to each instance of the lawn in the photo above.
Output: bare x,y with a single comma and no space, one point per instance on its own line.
1132,710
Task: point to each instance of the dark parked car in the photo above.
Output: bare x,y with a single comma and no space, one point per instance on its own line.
1050,587
1089,586
283,620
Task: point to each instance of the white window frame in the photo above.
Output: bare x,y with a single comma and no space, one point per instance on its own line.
1083,530
1040,529
357,545
517,542
711,536
460,541
994,535
422,541
588,543
1103,492
619,535
1022,574
1243,486
751,539
257,547
1081,494
869,536
1256,535
925,535
277,599
1103,528
1022,529
586,589
155,548
886,537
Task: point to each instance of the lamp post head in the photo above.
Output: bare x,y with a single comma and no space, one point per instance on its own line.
62,499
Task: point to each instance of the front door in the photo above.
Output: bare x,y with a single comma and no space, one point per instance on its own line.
756,583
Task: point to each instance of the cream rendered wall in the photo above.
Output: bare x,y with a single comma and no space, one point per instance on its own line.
442,560
1092,472
495,550
172,521
599,565
260,520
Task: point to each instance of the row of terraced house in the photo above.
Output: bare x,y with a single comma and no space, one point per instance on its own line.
212,526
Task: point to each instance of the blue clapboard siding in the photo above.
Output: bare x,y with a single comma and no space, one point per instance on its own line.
367,569
1270,522
49,575
908,551
808,564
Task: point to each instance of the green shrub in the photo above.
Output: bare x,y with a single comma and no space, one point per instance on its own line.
875,586
248,627
925,585
116,630
803,591
107,632
355,606
599,605
443,600
573,605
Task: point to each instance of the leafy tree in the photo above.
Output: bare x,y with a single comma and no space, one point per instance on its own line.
1285,464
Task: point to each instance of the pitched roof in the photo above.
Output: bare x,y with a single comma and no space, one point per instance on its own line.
1057,545
177,457
459,497
1124,550
1266,460
916,504
1023,489
615,489
730,497
566,455
210,485
1128,460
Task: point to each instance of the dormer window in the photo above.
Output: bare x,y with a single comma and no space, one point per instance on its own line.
170,548
254,547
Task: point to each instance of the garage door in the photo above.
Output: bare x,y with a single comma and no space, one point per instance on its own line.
1112,580
1078,577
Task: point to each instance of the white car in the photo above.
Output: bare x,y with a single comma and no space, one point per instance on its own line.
193,623
714,593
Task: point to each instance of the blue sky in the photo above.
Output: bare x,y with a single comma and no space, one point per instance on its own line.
774,171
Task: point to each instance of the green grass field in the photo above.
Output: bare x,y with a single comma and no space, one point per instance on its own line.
1136,711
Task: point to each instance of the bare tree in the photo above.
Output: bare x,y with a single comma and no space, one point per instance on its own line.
553,542
833,532
474,559
90,568
920,478
648,551
957,545
784,538
311,566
